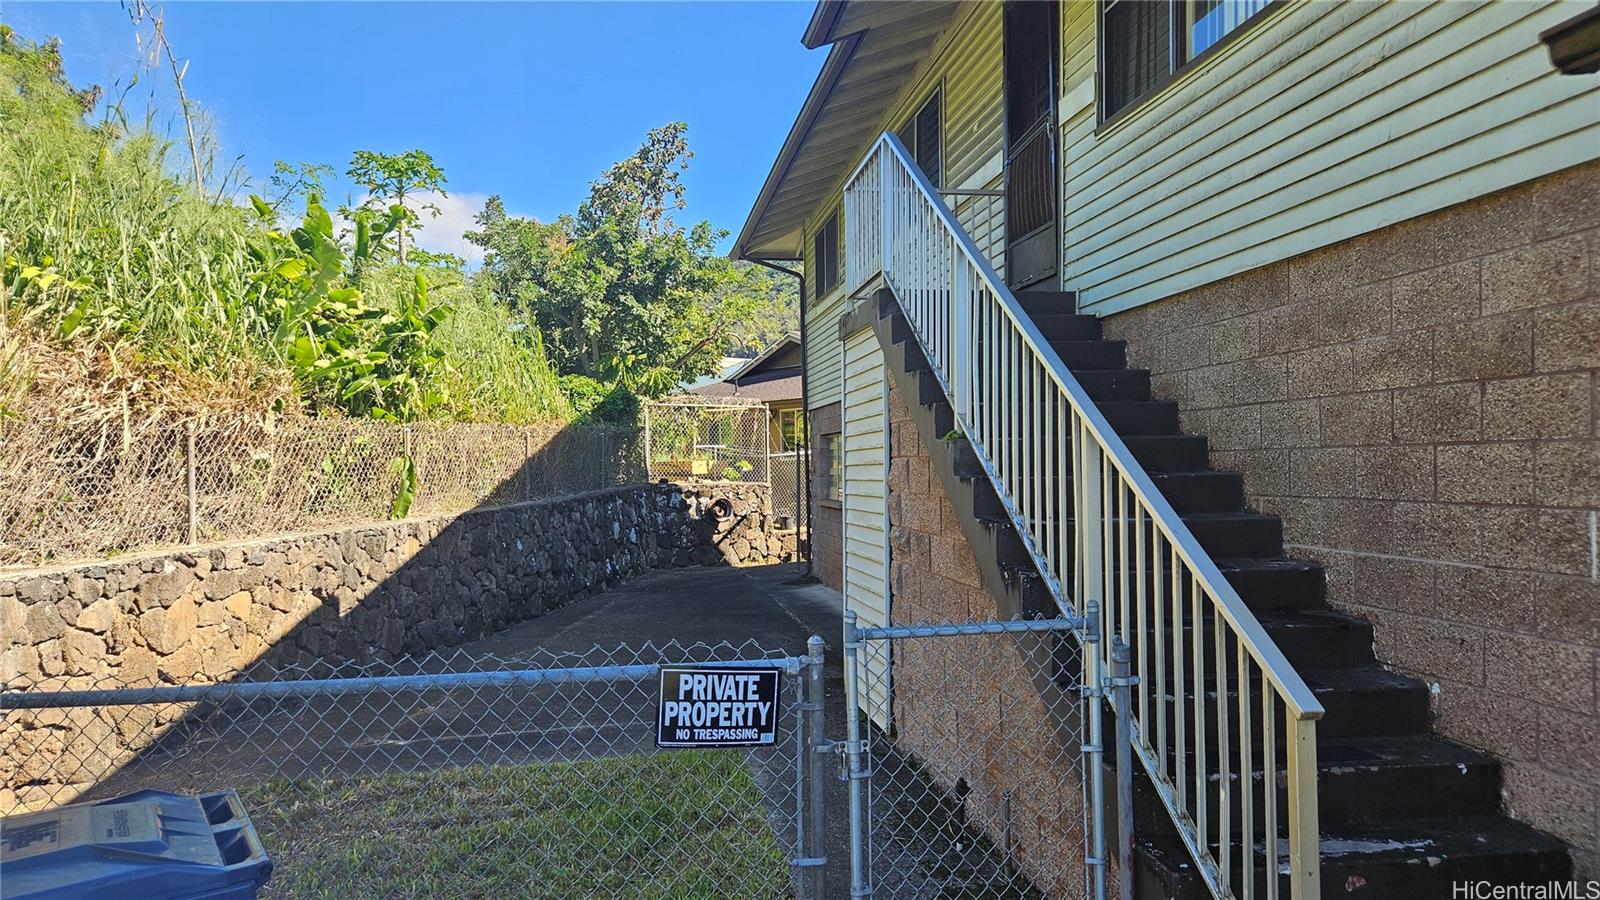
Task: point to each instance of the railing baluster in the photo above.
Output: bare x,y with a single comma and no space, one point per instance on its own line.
1197,653
1125,564
1247,806
1159,603
1224,791
1269,785
1180,711
1107,548
1141,633
1030,419
1303,839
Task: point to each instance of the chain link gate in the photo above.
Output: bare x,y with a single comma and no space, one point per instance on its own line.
456,775
974,760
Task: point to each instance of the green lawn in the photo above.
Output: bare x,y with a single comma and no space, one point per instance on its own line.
665,825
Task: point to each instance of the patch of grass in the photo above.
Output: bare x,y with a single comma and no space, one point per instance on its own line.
666,825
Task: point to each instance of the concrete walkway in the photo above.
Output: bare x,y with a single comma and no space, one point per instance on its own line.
704,604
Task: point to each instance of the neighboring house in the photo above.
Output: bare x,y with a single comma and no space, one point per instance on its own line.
726,367
1331,272
774,377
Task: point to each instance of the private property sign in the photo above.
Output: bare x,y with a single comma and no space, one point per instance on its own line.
713,706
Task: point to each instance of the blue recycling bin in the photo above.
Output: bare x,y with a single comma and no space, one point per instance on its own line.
151,845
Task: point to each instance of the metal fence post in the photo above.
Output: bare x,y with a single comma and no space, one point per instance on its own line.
1121,683
860,878
648,456
527,464
189,466
1093,749
814,849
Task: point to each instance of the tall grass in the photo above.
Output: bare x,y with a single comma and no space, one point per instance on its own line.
112,260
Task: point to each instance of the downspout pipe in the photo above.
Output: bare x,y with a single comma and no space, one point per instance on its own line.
805,406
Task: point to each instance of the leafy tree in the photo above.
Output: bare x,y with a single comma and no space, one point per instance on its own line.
292,181
392,180
351,354
621,292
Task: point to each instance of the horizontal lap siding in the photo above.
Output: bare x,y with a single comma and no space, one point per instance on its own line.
824,361
1323,122
966,63
866,499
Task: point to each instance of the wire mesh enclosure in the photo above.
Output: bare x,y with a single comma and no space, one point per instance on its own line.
787,474
453,775
977,780
688,438
94,491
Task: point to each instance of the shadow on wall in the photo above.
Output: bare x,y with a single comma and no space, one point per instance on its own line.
325,601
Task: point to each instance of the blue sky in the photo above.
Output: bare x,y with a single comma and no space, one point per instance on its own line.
527,100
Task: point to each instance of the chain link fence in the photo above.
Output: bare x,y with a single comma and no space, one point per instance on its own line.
455,775
787,474
84,493
692,438
976,780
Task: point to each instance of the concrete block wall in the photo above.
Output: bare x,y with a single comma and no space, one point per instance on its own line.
1420,406
1005,739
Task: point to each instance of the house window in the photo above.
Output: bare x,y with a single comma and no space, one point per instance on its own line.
791,430
825,256
1208,21
831,468
924,139
1144,44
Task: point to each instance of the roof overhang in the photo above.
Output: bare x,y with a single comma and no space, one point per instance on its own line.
876,49
791,339
824,18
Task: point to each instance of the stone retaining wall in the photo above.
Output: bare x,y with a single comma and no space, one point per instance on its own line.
742,531
359,594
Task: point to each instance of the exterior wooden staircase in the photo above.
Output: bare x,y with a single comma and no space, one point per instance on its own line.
1276,757
1403,813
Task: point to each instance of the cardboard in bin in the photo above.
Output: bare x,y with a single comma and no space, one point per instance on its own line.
151,844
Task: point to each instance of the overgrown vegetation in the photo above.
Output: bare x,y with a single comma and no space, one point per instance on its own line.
131,289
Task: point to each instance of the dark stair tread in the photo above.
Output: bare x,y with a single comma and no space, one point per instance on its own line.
1397,858
1115,384
1042,302
1169,452
1067,325
1148,417
1097,354
1359,678
1202,490
1412,751
1358,780
1374,742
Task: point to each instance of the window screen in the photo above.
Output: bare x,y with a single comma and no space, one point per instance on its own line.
1138,50
825,256
923,136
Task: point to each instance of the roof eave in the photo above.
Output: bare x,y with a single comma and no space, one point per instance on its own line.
824,18
833,67
764,355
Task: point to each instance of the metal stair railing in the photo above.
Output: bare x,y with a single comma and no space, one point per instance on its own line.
1103,537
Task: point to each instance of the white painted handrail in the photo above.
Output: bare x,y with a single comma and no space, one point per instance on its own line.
1104,538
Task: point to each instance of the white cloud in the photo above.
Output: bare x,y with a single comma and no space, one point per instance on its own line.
444,233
